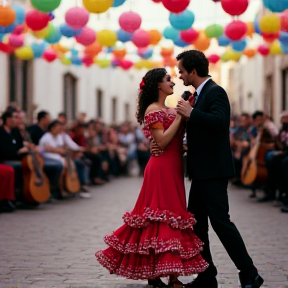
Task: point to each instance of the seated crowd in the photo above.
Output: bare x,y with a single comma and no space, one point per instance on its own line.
93,151
260,152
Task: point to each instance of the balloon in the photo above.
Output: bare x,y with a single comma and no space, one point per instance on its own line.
87,37
87,61
234,7
189,35
119,54
202,43
54,34
16,40
284,21
214,31
24,53
7,16
249,52
141,38
145,53
180,43
236,30
107,38
263,50
270,37
77,17
182,21
270,23
167,52
65,61
155,36
175,6
41,33
45,5
283,38
126,64
38,49
276,6
36,20
118,3
97,6
76,60
250,29
171,33
7,29
68,31
214,58
6,48
93,49
20,14
124,36
103,63
49,55
19,29
239,45
275,48
130,21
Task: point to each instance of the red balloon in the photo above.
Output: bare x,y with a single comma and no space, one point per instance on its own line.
176,6
263,50
87,61
157,1
214,58
234,7
126,64
236,30
270,37
216,0
189,35
36,20
284,21
49,55
6,48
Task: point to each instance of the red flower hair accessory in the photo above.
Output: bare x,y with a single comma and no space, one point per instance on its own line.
142,84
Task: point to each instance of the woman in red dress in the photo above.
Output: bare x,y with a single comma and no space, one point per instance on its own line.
157,238
7,188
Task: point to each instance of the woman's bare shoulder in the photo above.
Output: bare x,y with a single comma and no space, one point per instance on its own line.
152,108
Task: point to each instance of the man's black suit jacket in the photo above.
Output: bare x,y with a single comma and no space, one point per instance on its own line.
209,154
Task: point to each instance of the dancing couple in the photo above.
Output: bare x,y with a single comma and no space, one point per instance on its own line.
161,237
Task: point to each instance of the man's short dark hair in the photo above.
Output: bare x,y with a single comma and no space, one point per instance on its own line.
62,114
5,115
53,124
257,114
244,114
42,114
194,59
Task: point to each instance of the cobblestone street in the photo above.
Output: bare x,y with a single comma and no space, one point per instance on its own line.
54,245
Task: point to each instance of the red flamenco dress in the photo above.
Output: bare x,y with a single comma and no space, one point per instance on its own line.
157,239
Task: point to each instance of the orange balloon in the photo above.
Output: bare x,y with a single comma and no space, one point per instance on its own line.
250,52
167,52
93,49
202,43
171,62
7,16
155,36
59,48
250,29
119,54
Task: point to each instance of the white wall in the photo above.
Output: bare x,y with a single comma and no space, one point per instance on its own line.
3,81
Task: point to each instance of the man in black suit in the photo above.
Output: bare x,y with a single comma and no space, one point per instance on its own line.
209,164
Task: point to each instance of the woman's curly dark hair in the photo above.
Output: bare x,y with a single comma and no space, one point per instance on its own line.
149,92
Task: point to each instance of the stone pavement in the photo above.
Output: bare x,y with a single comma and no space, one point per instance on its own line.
54,245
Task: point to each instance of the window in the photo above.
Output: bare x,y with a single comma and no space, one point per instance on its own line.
268,97
20,85
114,109
99,103
127,111
70,96
285,89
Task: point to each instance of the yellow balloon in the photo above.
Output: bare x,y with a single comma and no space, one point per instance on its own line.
41,34
107,38
97,6
103,63
65,61
144,64
275,48
232,55
24,53
270,23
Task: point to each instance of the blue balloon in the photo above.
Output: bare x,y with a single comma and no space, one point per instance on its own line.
183,20
68,32
283,38
276,5
55,37
1,36
76,60
284,48
38,49
146,54
256,26
180,43
20,14
171,33
118,3
223,41
124,36
109,49
239,46
74,52
7,29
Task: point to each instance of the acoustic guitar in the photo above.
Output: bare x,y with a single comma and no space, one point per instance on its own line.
71,179
254,170
36,184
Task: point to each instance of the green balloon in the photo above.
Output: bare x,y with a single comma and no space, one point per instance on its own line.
45,5
214,31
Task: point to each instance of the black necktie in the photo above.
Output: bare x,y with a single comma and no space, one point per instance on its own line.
195,97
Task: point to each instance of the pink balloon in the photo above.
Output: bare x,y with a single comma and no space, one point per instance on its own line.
189,35
234,7
19,29
87,37
141,38
49,55
87,61
263,50
16,40
130,21
126,64
77,17
214,58
176,6
236,30
36,20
